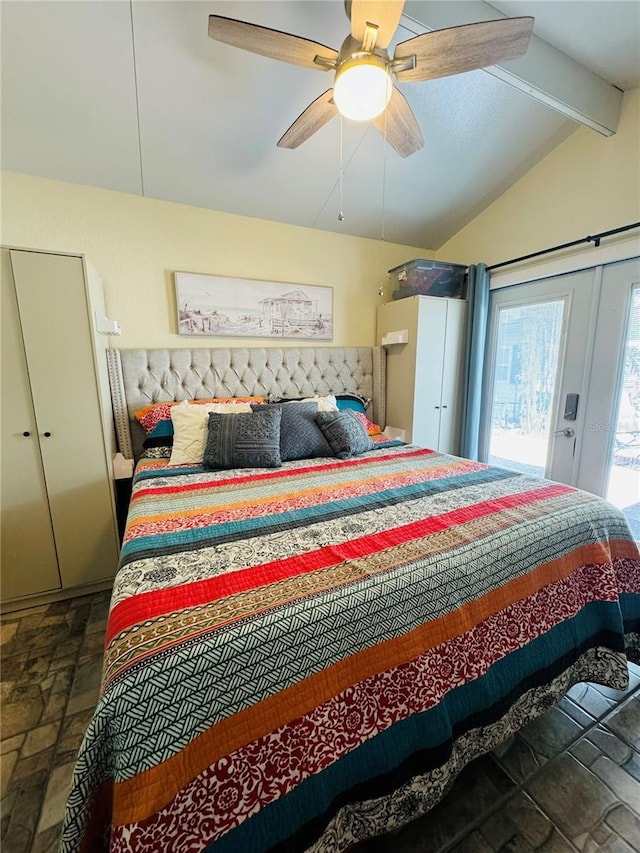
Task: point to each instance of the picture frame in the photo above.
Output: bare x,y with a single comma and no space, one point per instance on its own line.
222,306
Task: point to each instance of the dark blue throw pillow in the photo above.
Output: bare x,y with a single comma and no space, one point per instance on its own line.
345,433
300,435
244,440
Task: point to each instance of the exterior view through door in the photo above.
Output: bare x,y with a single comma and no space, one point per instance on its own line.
623,482
563,382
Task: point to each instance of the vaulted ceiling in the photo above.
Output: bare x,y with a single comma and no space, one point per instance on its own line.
134,96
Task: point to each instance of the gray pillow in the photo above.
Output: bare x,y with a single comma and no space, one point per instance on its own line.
345,433
300,435
244,440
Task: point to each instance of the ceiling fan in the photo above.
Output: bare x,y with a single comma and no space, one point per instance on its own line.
364,85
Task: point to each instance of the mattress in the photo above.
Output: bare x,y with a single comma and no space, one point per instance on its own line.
304,657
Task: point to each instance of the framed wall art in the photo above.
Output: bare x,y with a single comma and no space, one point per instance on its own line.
240,307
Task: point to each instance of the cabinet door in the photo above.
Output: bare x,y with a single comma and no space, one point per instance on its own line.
54,313
454,347
430,355
401,362
29,564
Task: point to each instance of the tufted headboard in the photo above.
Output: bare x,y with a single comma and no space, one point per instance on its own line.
139,377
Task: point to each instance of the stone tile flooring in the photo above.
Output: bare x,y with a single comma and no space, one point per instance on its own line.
570,781
51,664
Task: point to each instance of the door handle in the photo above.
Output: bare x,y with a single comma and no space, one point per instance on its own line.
569,432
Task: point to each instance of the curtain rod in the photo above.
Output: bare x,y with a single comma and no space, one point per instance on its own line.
595,239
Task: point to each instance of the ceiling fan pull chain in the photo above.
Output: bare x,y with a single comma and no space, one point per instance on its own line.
384,174
340,212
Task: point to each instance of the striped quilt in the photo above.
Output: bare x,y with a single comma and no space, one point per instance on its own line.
300,658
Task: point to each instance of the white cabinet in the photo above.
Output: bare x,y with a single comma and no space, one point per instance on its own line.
424,375
58,518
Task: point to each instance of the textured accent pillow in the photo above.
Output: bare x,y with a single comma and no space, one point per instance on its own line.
344,432
244,440
300,435
156,417
190,429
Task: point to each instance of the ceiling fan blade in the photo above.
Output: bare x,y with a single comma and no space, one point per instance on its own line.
385,14
271,43
466,48
399,125
312,119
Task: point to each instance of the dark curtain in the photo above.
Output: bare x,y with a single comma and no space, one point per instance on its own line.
478,297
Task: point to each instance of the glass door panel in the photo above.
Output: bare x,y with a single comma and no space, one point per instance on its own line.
623,488
529,339
609,453
537,373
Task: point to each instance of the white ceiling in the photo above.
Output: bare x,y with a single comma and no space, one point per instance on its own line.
135,97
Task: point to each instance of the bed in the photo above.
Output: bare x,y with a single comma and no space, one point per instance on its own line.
299,658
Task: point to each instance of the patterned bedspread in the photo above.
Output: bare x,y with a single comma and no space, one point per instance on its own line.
286,643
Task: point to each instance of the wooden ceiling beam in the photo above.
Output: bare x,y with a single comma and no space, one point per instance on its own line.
543,73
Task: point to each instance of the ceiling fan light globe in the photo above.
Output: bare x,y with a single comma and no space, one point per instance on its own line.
362,88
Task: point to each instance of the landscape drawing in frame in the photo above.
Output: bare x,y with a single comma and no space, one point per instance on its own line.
241,307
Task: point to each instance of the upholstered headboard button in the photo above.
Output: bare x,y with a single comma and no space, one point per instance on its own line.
139,377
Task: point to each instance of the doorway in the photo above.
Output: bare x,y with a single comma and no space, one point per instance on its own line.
562,387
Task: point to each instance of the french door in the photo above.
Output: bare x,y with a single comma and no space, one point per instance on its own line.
562,389
537,374
610,455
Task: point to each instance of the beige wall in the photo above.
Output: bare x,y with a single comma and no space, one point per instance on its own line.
136,243
589,183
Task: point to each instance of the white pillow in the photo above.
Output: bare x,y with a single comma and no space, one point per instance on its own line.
325,404
190,425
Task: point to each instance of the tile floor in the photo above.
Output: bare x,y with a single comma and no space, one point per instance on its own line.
51,662
570,781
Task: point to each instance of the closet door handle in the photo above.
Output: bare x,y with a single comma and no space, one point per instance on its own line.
26,433
47,434
436,407
444,407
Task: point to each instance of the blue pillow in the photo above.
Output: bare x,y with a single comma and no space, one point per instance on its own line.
300,435
345,433
244,440
160,436
351,401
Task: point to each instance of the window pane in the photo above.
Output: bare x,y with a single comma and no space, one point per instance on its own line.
524,385
624,477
